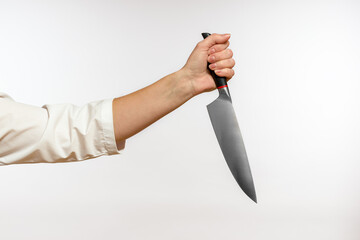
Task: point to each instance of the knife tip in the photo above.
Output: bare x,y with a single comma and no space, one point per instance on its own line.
253,198
251,195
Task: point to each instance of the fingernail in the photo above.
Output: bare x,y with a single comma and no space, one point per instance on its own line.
212,50
227,34
212,58
212,66
217,71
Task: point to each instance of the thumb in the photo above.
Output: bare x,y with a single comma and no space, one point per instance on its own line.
213,39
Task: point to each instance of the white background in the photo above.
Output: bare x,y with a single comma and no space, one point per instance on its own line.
296,93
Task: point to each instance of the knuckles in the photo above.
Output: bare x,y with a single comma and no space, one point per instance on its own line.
225,55
229,73
229,52
232,61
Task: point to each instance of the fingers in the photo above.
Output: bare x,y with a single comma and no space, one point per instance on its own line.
226,72
218,56
212,40
227,63
222,63
218,47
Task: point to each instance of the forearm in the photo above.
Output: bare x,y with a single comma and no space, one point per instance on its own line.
136,111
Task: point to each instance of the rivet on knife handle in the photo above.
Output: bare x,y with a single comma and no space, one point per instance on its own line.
227,131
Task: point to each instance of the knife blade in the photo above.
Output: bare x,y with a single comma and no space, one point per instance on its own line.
227,131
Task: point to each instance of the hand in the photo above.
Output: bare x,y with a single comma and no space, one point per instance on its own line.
214,49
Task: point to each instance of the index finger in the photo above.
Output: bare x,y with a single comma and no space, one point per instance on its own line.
214,39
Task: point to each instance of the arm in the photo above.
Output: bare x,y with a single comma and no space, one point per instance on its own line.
66,132
134,112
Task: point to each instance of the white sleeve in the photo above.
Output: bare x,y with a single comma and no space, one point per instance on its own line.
55,133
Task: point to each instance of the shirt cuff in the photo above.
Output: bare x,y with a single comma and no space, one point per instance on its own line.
108,129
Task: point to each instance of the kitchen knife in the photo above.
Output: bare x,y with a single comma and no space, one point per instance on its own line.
227,131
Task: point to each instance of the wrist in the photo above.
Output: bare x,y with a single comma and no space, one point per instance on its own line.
185,84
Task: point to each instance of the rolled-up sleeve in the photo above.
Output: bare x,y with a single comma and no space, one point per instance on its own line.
56,132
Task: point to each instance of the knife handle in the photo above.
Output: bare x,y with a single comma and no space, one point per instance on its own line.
219,81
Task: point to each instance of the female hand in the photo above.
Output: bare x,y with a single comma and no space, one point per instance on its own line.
214,49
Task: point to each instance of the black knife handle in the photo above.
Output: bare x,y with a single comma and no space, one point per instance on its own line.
219,81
